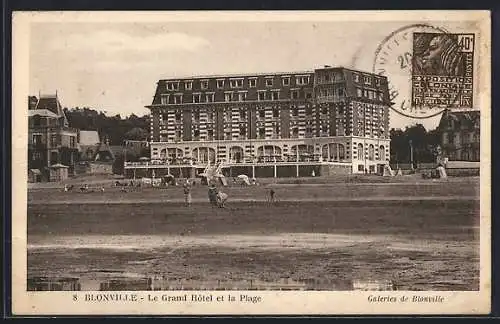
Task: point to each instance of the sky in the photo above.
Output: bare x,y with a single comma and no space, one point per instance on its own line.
114,67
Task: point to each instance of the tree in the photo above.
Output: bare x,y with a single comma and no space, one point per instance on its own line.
113,128
137,134
423,143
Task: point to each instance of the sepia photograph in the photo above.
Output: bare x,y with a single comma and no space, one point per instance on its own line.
183,160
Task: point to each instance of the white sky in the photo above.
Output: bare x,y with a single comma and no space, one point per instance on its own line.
114,67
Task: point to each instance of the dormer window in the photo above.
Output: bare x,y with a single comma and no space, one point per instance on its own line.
238,83
204,84
269,82
252,82
286,81
220,83
188,85
302,80
172,86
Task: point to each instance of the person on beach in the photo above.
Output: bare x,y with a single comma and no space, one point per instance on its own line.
221,199
271,195
187,193
212,195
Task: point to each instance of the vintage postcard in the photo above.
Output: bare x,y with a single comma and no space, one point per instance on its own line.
208,163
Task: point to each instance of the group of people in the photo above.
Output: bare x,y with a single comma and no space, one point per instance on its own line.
216,197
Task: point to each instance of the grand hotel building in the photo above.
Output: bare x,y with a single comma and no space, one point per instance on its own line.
330,120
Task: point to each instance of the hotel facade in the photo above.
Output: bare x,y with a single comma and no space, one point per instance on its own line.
322,122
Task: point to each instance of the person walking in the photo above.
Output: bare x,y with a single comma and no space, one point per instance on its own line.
271,195
187,192
212,195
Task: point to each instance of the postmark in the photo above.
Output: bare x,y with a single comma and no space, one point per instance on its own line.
429,69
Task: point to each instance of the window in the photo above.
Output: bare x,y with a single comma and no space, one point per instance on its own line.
262,132
209,97
177,99
197,98
53,140
204,84
275,95
295,94
295,111
309,131
243,130
210,116
359,92
341,152
178,116
72,141
36,156
262,96
276,113
360,152
286,81
371,152
302,80
243,115
188,85
242,96
220,84
228,96
308,110
361,168
165,99
210,134
196,115
355,77
276,130
196,134
308,95
381,153
295,132
367,80
237,83
269,82
262,113
253,83
170,86
377,81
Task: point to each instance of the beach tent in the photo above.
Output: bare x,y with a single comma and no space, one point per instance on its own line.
243,179
222,180
169,180
388,172
441,172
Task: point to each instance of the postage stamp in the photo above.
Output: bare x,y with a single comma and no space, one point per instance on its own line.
433,69
442,70
219,163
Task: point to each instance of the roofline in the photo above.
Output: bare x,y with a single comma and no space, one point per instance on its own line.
236,75
231,75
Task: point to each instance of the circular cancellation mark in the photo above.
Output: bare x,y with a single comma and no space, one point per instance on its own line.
428,69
